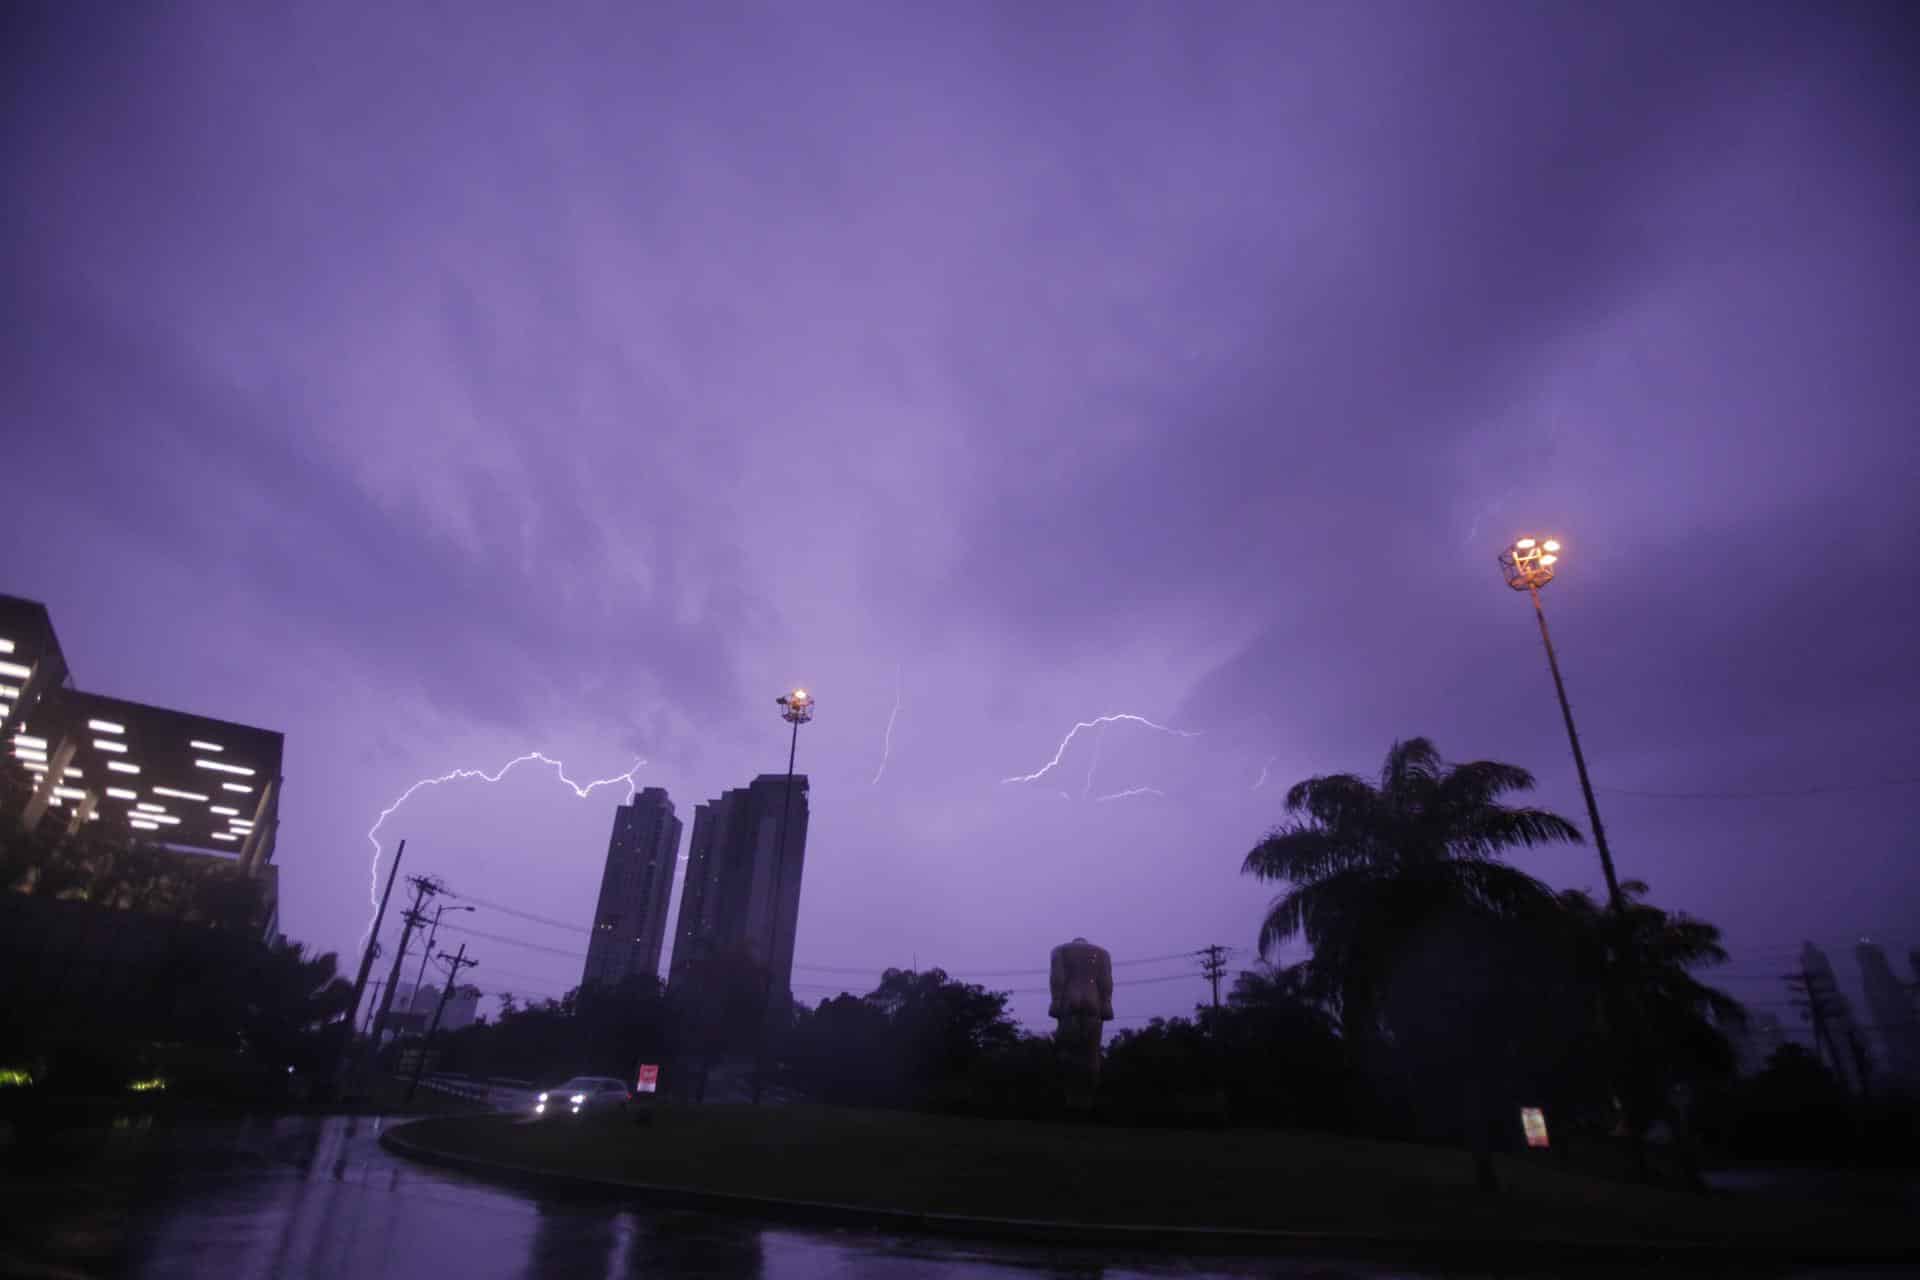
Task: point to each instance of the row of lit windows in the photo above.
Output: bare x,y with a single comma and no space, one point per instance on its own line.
142,814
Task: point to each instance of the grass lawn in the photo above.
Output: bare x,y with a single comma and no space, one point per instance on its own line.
1136,1177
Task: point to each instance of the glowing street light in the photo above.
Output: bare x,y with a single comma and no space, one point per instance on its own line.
1529,565
796,709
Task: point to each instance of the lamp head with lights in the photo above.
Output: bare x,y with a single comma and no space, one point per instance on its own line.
796,707
1529,563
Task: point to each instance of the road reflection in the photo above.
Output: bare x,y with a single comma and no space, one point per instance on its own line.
318,1196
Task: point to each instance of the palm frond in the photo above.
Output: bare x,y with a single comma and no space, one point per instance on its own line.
1410,763
1489,830
1338,801
1482,782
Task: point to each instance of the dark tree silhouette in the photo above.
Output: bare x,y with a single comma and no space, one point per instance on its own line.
1395,883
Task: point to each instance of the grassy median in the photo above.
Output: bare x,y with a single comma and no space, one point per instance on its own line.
1132,1177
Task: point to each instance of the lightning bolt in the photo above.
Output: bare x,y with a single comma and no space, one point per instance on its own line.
886,745
1094,763
1131,791
1261,781
459,775
1095,723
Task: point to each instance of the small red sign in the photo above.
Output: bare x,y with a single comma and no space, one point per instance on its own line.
649,1078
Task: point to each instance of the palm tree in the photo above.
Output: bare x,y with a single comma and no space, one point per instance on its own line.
1367,864
1413,918
1654,1026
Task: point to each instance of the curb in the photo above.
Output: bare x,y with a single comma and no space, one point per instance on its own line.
1223,1241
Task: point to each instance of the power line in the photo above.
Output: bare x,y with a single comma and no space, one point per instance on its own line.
513,942
516,911
862,970
1783,794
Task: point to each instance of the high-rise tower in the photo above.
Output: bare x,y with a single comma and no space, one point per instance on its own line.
630,919
727,902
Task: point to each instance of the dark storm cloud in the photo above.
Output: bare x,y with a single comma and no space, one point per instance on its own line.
528,379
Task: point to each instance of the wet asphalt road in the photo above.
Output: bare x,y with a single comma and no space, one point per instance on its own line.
317,1196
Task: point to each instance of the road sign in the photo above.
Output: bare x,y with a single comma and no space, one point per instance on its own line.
649,1078
1534,1121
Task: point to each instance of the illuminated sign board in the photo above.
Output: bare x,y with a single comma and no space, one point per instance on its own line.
1533,1121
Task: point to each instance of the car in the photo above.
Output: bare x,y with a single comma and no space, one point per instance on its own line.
580,1094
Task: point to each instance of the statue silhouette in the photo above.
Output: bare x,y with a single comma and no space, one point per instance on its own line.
1082,986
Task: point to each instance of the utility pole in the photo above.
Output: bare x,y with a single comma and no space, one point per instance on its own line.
1812,997
460,962
426,952
366,1023
424,887
366,962
1213,963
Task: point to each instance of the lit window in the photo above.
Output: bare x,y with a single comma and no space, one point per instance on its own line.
6,646
70,793
224,768
178,795
222,809
106,726
149,808
144,826
235,786
74,773
9,691
206,746
121,766
108,744
23,740
221,835
121,793
15,670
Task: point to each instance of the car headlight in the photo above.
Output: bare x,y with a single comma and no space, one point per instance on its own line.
578,1098
541,1098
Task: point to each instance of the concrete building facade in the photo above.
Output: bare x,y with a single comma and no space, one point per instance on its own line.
742,887
188,783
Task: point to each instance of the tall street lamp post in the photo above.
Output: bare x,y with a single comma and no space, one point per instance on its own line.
796,709
1529,565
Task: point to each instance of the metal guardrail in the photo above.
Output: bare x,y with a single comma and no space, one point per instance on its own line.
499,1093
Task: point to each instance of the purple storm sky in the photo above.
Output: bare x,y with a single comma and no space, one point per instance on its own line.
436,387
